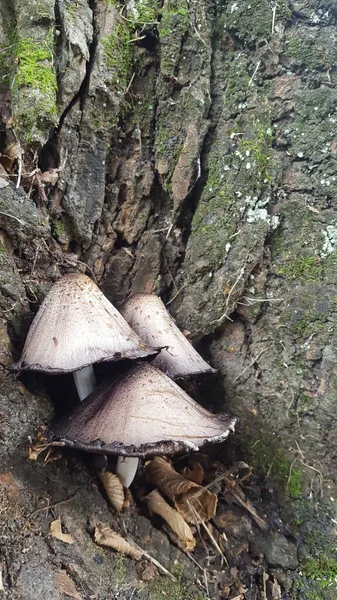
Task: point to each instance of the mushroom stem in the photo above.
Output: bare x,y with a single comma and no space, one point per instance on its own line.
85,381
126,469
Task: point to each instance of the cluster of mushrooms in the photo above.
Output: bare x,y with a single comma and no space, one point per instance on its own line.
144,413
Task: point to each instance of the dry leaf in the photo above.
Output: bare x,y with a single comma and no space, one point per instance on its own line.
149,573
158,505
194,502
66,585
40,444
195,474
50,176
12,151
114,489
56,532
3,183
104,536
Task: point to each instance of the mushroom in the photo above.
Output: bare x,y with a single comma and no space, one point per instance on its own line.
77,326
143,414
147,315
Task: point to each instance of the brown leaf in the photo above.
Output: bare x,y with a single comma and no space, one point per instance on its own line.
104,536
50,176
40,444
149,573
12,151
158,505
194,502
56,532
195,474
114,489
66,585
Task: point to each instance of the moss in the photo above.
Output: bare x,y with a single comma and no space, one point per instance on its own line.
269,459
119,569
310,54
172,28
174,590
118,55
250,21
34,87
303,268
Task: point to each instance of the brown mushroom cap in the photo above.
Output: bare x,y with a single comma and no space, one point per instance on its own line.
143,414
77,326
148,316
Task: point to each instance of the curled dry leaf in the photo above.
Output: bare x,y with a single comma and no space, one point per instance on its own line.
40,444
194,502
114,489
158,505
50,176
56,532
66,585
104,536
195,474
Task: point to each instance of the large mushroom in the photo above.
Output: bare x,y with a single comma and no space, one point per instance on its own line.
75,327
148,316
143,414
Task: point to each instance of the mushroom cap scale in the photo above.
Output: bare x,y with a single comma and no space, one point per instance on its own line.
150,319
143,414
77,326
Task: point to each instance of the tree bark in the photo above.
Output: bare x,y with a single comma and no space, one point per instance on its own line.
186,149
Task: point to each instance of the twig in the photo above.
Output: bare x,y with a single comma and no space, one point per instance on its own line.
273,20
151,559
255,71
176,294
130,83
225,315
12,217
251,363
290,471
20,169
52,505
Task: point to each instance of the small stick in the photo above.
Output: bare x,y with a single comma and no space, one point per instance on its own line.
52,505
251,363
273,19
255,71
12,217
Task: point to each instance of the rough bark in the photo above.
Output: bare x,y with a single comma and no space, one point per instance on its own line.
198,162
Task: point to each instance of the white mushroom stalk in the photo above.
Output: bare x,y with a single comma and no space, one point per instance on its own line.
85,381
126,469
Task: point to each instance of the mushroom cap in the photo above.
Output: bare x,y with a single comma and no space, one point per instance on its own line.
143,414
148,316
77,326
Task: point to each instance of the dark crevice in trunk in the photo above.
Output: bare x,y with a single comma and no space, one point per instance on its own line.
49,155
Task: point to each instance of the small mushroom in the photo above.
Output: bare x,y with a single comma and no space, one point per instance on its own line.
143,414
148,316
75,327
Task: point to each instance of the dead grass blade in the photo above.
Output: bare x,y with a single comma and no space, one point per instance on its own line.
182,491
114,489
56,532
158,505
66,585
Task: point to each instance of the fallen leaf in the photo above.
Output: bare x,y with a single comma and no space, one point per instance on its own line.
114,489
193,501
3,183
158,505
104,536
50,176
66,585
149,573
56,532
195,474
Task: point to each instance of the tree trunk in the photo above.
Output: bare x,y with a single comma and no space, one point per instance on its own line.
187,150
